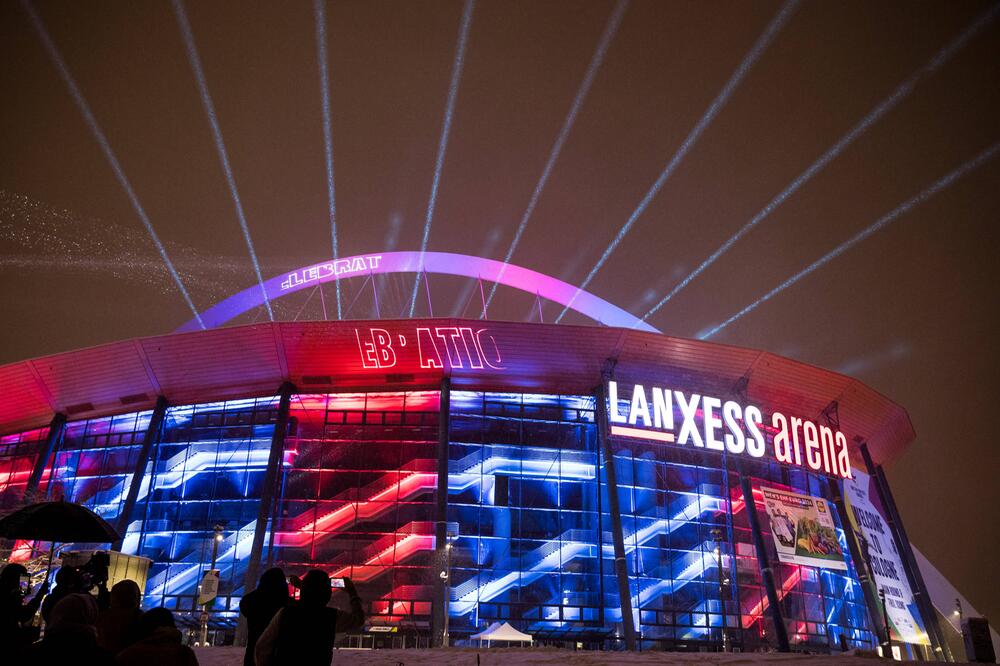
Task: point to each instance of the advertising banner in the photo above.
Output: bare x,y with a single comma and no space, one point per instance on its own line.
803,529
886,564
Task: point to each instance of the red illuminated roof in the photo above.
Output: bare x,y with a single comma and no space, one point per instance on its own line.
256,359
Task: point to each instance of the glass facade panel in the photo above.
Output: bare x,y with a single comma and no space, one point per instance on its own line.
528,515
18,455
357,497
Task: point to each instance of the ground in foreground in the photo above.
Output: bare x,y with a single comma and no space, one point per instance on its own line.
543,657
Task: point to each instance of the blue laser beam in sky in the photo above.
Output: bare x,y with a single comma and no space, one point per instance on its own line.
713,110
109,154
581,94
881,223
319,10
220,146
456,75
898,95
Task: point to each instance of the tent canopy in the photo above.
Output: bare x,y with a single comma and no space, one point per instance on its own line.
502,632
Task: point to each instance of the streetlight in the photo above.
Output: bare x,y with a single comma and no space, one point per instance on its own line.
209,587
446,580
885,621
719,536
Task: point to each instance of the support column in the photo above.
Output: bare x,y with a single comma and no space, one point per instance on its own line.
913,576
617,534
56,427
766,573
267,487
151,438
442,585
860,563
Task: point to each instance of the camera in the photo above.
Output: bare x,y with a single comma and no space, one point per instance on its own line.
94,573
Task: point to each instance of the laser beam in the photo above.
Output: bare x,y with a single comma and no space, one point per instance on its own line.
881,223
220,146
319,10
581,94
706,119
456,75
109,154
889,103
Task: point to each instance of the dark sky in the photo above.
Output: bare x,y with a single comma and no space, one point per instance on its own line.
910,311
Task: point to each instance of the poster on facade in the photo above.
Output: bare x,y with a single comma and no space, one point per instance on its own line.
803,529
868,519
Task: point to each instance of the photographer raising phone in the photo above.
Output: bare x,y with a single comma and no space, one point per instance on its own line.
303,633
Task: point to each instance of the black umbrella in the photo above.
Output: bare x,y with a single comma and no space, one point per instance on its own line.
57,521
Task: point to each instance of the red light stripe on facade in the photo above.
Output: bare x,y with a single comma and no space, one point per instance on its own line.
625,431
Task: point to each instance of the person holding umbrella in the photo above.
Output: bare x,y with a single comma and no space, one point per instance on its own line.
57,522
54,522
15,585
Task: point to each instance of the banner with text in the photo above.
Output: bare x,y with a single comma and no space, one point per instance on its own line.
885,562
803,529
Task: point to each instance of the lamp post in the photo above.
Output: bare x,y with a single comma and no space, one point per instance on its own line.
446,580
887,652
208,596
718,536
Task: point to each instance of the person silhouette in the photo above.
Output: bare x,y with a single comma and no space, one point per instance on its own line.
70,634
303,633
159,643
260,606
117,624
15,585
68,581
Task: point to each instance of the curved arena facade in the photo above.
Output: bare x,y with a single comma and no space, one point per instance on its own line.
589,485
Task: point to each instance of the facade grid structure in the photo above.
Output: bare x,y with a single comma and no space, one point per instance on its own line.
527,500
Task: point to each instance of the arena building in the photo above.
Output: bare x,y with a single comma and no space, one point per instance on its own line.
596,486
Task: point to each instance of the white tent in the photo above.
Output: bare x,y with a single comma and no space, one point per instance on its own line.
502,632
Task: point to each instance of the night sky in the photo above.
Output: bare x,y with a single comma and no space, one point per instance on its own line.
909,311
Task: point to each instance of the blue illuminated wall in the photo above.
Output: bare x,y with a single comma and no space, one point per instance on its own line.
206,470
523,492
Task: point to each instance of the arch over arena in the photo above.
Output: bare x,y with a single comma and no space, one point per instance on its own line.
438,263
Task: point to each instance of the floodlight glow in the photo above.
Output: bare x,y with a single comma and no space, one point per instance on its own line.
713,110
581,94
109,154
882,222
456,74
220,146
889,103
319,10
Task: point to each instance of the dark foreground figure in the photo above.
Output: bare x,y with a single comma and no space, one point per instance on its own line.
159,643
118,625
15,613
260,606
303,633
70,635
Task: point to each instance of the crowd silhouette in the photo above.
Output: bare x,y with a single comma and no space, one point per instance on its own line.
86,624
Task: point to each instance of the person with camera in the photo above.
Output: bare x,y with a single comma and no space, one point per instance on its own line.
303,633
15,613
74,580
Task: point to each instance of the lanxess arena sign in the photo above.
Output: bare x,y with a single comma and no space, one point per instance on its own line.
711,423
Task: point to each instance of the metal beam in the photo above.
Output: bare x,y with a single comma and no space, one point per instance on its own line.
766,573
267,487
56,427
151,438
910,567
861,564
617,534
441,584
